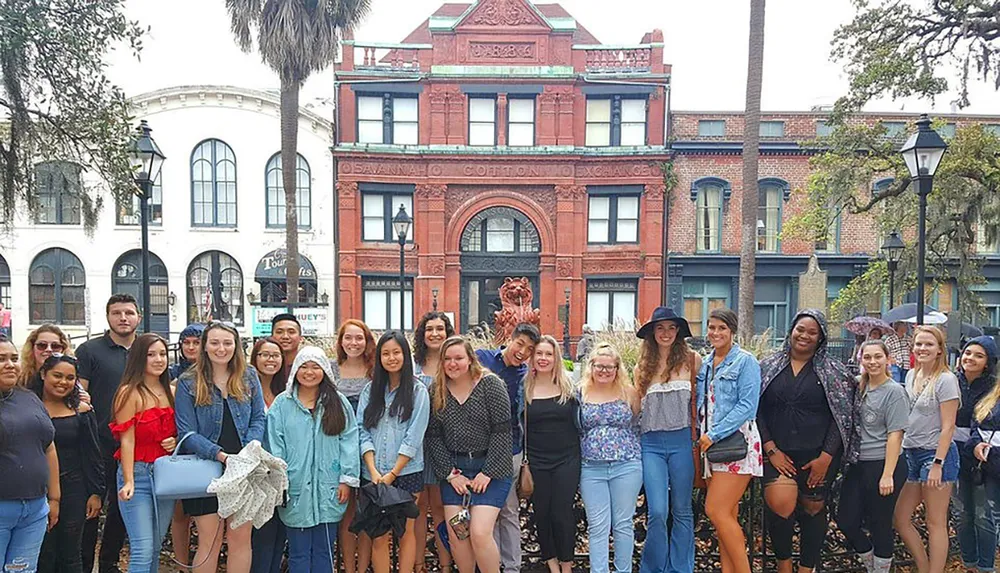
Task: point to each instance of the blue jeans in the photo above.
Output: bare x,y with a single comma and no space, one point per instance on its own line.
668,467
977,530
609,491
311,549
22,529
146,520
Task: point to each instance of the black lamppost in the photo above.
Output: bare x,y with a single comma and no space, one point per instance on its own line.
922,153
146,159
892,247
566,353
401,224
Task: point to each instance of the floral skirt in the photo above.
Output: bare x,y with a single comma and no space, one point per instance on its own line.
753,463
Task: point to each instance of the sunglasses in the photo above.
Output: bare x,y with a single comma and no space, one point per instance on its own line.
54,346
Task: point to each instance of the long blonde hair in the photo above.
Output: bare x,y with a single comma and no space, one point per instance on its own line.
940,363
439,394
621,379
559,375
237,367
28,366
986,404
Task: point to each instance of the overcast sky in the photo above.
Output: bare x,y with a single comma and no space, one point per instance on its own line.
706,42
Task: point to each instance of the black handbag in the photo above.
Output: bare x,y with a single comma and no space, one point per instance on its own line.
977,473
732,448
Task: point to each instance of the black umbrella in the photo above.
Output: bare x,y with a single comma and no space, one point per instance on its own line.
970,330
383,508
905,312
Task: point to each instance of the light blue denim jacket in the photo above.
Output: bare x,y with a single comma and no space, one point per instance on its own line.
317,463
206,421
737,391
392,437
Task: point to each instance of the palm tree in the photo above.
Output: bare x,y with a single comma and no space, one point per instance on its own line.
295,38
751,153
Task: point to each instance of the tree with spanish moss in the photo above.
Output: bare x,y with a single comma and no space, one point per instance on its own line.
59,104
295,38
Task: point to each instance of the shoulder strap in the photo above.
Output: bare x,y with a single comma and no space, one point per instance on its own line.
525,436
694,398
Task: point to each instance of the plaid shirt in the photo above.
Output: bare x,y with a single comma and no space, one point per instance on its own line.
899,348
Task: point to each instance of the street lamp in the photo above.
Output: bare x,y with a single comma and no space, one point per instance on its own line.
566,353
401,224
146,160
922,153
892,247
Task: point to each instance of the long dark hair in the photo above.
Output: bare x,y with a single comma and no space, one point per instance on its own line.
277,385
72,400
402,404
135,373
334,420
419,344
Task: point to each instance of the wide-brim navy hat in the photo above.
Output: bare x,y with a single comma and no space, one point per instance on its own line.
663,314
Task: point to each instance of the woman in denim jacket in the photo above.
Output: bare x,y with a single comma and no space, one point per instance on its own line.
393,410
728,393
221,401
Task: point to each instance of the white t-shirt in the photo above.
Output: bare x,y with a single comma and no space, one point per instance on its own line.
924,425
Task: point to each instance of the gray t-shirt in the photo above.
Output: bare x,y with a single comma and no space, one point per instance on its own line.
924,426
884,409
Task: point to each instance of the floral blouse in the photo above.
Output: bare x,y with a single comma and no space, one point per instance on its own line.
610,432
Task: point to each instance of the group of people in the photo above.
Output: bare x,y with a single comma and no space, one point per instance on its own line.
461,430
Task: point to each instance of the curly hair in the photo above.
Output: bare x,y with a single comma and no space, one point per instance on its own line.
649,361
419,344
28,366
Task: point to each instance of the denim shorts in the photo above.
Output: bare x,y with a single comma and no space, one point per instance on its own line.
495,494
919,462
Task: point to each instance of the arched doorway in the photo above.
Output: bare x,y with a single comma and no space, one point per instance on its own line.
127,278
215,288
498,242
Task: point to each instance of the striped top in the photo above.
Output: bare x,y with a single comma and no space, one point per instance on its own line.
666,406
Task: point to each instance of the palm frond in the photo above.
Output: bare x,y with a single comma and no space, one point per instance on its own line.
244,16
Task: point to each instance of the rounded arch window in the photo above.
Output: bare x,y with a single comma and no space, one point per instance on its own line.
56,285
215,288
500,230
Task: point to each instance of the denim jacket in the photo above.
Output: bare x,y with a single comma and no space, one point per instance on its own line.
737,391
206,421
392,437
317,463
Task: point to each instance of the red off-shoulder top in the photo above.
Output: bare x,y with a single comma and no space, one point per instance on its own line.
152,426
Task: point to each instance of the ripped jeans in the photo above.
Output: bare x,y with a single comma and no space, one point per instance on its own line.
22,529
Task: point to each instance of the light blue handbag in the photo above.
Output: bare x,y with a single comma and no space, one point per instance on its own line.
184,476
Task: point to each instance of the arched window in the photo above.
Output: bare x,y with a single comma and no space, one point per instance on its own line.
58,191
215,288
275,195
4,282
127,278
56,286
500,230
772,193
709,194
213,185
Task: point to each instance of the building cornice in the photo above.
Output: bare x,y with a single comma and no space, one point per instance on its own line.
230,97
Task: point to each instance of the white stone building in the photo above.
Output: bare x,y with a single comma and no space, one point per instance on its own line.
218,217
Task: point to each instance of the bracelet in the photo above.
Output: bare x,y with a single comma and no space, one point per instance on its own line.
392,472
771,452
454,474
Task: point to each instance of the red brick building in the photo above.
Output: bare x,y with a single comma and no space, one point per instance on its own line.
522,146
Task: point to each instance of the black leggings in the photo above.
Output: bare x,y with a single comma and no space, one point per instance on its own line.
61,547
861,504
552,501
113,536
812,528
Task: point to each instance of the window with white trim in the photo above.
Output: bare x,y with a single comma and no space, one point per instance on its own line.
772,129
708,229
379,204
58,193
711,127
482,121
388,118
768,218
520,122
613,214
381,302
615,120
611,304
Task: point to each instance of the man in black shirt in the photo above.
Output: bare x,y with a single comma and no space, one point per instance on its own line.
101,365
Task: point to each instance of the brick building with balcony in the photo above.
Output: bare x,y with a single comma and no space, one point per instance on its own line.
522,146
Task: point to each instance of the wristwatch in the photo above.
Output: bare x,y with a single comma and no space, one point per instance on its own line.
938,461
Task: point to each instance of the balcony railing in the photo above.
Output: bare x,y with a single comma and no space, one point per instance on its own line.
382,57
618,59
